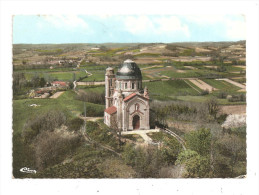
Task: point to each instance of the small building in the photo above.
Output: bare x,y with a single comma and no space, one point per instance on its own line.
127,104
59,84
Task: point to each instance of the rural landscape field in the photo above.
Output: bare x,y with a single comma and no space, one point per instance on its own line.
197,90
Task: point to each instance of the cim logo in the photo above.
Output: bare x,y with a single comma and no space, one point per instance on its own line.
27,170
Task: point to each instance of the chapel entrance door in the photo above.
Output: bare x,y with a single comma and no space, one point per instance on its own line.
136,122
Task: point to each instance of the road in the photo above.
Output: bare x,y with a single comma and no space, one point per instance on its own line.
57,94
179,139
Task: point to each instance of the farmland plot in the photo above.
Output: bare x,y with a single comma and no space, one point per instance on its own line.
243,87
221,85
202,85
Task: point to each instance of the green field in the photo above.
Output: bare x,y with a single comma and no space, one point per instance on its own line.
205,98
22,110
97,76
168,89
221,85
61,76
97,89
180,90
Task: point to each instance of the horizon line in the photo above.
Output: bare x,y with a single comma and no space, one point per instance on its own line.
126,42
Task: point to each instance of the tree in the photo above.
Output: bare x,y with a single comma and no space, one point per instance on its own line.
199,141
129,154
147,162
213,107
234,148
194,164
19,81
44,122
75,124
51,148
115,128
170,150
36,81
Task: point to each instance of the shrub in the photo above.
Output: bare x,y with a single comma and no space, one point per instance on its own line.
93,111
221,68
194,164
222,95
101,134
51,148
222,118
237,98
213,107
145,161
75,124
44,122
199,141
205,92
93,97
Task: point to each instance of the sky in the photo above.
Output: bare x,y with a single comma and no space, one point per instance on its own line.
127,28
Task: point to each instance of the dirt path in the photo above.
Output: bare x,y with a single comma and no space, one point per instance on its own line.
57,94
90,118
89,74
202,85
143,134
190,67
243,67
91,83
178,138
151,73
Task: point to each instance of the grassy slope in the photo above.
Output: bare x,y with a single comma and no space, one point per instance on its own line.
22,110
97,89
62,76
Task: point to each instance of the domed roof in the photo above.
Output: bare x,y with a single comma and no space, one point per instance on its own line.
128,70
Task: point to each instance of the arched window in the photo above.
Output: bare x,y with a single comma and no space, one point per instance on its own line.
120,85
126,85
111,82
133,85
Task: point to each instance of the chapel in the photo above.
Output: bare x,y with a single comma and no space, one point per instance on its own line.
127,103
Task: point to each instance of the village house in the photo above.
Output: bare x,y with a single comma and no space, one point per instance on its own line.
59,84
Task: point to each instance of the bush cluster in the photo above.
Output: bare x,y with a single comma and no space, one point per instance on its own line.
93,97
45,122
237,98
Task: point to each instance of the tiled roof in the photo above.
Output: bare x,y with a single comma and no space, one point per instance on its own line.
129,97
111,110
60,83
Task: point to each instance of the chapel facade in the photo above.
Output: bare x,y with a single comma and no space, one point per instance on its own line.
127,104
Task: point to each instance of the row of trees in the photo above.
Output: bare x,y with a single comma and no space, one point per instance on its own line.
20,84
162,112
93,97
